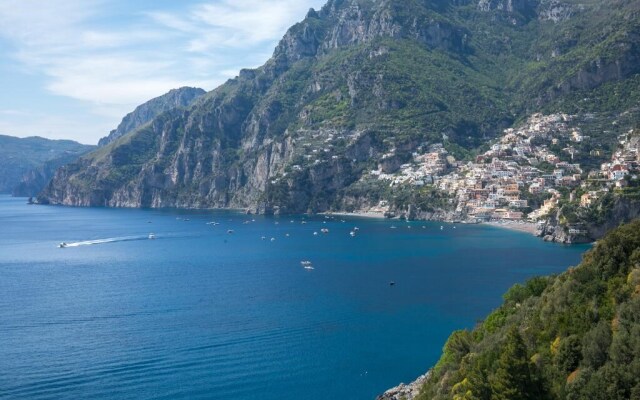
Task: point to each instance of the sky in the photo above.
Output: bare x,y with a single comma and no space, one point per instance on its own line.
72,69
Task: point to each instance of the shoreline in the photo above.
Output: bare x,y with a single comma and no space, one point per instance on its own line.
359,214
526,227
405,391
518,226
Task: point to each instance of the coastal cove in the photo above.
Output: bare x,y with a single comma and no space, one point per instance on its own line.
226,310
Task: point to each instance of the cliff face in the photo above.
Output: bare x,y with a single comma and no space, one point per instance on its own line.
620,209
34,180
350,83
143,114
19,156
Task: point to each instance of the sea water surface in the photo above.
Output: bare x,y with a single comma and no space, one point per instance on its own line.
200,313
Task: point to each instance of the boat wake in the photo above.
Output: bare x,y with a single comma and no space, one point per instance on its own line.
105,241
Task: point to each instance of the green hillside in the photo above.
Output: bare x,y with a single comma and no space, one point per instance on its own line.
574,336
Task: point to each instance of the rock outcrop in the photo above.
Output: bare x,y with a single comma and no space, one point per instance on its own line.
619,210
405,392
144,113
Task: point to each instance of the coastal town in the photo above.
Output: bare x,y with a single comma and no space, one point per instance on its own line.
524,175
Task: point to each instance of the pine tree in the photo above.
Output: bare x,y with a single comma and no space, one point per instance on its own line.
512,379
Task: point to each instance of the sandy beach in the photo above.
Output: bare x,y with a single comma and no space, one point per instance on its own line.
361,214
515,226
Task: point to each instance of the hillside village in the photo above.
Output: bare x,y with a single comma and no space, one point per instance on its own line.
523,176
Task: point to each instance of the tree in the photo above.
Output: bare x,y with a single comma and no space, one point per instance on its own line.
595,345
569,354
512,379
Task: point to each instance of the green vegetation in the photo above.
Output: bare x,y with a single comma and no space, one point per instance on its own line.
574,336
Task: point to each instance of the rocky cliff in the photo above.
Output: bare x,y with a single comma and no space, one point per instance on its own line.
615,209
36,179
347,86
144,113
19,156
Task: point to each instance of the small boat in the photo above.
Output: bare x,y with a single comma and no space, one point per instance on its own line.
392,283
63,245
356,229
287,235
352,233
441,228
230,231
315,233
324,230
394,227
306,265
264,238
273,239
152,236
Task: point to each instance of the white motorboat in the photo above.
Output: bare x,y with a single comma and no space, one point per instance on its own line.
152,236
63,245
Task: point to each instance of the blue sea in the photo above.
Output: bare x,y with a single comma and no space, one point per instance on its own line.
200,313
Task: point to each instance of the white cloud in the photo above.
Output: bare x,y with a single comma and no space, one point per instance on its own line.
87,51
235,23
14,113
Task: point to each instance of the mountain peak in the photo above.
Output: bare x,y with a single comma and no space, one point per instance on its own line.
175,98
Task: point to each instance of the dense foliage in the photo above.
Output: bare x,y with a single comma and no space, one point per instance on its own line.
574,336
